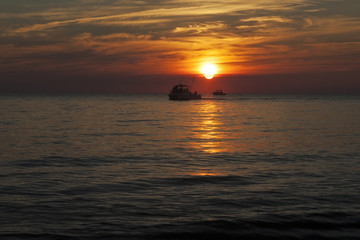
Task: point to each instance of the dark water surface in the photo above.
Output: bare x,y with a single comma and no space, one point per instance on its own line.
144,167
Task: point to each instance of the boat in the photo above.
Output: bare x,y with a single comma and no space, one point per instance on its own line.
219,92
181,92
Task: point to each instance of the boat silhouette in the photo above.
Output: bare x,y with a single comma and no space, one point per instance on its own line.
218,92
182,92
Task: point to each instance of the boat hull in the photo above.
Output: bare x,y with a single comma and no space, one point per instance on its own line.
219,92
184,97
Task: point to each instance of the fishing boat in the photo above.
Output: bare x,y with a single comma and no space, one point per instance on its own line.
219,92
182,92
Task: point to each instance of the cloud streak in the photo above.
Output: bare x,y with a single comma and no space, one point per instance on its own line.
176,37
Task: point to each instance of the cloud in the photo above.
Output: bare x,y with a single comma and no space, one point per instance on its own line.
200,28
141,12
176,36
267,19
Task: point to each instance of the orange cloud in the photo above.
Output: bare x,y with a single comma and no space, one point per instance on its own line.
176,37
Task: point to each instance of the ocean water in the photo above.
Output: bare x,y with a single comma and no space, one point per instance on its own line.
144,167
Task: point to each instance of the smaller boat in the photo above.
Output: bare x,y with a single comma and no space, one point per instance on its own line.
219,92
181,92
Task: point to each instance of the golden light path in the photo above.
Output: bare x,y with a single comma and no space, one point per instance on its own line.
210,131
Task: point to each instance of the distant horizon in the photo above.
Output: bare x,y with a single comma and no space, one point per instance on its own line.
306,83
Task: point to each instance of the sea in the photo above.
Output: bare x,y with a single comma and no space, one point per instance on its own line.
139,166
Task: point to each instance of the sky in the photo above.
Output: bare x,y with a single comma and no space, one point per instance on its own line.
109,46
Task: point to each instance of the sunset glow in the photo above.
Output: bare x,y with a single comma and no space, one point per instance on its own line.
306,45
209,70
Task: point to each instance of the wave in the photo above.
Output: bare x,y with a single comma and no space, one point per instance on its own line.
59,161
195,180
310,226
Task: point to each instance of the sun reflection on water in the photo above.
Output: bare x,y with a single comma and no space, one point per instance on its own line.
204,174
210,131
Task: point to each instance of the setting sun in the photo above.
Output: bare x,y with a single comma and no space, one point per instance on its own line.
209,70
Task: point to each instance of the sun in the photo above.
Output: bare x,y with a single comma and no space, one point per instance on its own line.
209,70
